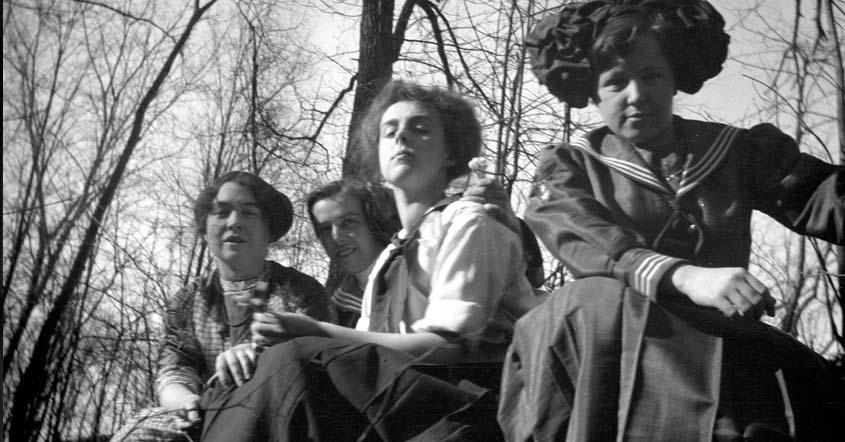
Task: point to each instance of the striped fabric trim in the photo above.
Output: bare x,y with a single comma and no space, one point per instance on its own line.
710,161
346,300
634,171
691,178
647,270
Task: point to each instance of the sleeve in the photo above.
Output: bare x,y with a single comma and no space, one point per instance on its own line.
299,293
582,232
180,353
475,260
798,190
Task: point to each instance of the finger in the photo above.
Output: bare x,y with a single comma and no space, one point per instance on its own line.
233,366
724,305
222,371
267,329
266,318
758,286
247,361
192,411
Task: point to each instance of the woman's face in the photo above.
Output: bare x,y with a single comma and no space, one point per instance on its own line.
635,95
412,149
236,232
343,231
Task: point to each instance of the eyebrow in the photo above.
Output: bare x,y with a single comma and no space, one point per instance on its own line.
413,119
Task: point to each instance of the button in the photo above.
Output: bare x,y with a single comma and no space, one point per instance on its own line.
692,228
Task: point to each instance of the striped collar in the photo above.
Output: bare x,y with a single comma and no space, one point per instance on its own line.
709,143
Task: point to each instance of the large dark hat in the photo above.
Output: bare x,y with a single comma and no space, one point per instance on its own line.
559,45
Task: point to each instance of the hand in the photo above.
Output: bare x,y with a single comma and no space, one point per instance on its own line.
492,196
177,397
236,365
272,328
256,298
732,290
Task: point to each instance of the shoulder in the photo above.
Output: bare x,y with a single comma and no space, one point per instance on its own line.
462,217
198,287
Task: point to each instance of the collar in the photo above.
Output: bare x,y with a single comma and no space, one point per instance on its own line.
708,145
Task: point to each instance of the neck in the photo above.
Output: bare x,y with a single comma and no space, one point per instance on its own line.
364,275
411,206
230,273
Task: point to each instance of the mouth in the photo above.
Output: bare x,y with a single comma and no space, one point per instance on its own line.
345,252
403,154
234,239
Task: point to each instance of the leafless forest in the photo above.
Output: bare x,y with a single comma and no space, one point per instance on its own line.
116,113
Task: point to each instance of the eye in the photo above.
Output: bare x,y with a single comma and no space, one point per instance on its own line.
422,127
653,76
388,131
349,223
322,230
252,212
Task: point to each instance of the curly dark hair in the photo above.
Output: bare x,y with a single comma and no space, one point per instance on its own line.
569,49
462,131
276,208
376,202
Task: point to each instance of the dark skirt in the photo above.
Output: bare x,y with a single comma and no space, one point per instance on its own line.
600,362
331,390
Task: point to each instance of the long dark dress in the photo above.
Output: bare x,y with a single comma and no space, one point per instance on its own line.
617,355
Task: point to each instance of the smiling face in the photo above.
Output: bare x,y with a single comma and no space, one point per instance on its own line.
343,231
634,96
236,232
413,155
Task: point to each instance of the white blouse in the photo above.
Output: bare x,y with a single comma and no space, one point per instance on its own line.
462,273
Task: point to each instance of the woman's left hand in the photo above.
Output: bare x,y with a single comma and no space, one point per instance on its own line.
490,193
272,328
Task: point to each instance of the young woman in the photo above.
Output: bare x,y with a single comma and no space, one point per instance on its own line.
660,339
206,330
354,223
442,299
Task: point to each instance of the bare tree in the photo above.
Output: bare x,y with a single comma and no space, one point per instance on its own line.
40,391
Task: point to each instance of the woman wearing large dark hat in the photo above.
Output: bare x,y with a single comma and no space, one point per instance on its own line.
660,339
207,324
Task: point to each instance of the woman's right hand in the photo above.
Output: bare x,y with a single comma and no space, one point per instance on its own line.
235,365
177,397
732,290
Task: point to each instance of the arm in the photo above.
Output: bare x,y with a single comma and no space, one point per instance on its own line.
567,216
467,284
800,191
583,233
178,382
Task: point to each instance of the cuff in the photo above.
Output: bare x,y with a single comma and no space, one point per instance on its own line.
648,269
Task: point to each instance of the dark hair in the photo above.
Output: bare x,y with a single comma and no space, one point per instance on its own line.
462,131
376,202
569,49
276,208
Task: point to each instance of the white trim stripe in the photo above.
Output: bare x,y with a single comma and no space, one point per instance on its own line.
710,161
634,171
646,271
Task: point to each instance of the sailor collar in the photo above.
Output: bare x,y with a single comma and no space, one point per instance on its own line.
706,151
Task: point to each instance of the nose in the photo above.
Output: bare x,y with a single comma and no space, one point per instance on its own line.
338,232
401,134
234,220
635,91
